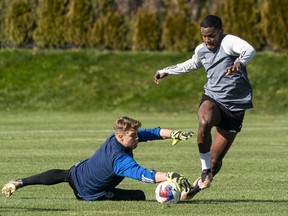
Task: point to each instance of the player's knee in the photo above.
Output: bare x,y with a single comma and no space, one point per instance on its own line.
204,126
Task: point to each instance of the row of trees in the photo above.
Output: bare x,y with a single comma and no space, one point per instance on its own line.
138,24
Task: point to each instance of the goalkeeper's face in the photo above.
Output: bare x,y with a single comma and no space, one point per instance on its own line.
129,139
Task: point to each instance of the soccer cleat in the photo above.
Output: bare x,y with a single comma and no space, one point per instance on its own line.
201,183
196,189
206,179
10,188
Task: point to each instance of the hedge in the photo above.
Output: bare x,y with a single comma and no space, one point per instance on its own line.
143,25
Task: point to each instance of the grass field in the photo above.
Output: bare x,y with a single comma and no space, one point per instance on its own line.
253,180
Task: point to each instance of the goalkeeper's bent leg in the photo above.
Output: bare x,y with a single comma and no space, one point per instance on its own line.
124,195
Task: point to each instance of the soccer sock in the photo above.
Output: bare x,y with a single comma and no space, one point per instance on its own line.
205,160
20,183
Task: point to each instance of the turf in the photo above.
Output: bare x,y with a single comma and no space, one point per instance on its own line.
253,180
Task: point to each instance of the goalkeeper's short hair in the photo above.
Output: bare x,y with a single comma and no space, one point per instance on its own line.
125,123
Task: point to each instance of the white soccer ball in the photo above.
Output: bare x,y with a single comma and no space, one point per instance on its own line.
167,192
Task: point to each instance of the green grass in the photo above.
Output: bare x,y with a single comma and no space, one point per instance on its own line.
253,180
89,80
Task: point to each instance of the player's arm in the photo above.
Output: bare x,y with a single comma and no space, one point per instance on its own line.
236,46
163,133
184,67
126,166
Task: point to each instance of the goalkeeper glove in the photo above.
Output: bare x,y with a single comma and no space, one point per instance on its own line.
180,181
178,135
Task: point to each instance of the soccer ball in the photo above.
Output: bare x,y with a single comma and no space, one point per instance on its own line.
167,192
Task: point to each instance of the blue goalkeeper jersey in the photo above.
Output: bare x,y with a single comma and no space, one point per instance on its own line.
111,163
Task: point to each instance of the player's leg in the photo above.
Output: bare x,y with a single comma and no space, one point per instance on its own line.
208,116
225,134
121,194
222,143
223,139
124,195
50,177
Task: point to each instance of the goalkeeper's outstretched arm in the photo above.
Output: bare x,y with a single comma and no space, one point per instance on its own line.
176,135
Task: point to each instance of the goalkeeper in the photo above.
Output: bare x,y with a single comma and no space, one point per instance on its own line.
96,178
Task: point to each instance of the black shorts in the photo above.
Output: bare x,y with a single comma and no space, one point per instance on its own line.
230,120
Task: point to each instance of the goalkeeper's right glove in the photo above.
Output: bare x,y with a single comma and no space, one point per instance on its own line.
178,135
179,180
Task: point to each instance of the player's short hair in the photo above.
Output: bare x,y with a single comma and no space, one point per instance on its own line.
125,123
211,21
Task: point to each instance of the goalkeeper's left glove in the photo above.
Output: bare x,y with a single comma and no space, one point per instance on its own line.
178,135
179,180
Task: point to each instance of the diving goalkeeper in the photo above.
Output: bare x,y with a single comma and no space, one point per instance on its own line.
96,178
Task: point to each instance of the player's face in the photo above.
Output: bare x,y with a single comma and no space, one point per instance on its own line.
211,37
129,139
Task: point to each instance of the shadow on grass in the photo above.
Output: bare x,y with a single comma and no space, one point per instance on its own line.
25,209
217,201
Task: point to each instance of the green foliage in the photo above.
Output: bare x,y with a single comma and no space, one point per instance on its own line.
116,31
139,25
275,23
89,80
242,18
20,22
37,141
110,31
106,6
79,21
2,24
97,32
179,32
146,30
50,31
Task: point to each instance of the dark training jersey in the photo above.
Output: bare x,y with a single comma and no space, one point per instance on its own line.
98,175
233,91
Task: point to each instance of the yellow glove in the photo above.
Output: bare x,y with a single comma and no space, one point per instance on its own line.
180,181
178,135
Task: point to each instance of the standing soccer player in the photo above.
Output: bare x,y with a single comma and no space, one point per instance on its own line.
227,94
96,178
